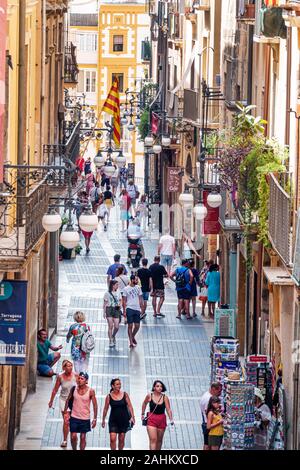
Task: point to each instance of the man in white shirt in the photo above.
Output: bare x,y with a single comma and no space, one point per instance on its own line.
214,391
167,251
132,301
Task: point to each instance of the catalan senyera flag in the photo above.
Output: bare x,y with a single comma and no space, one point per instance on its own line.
112,106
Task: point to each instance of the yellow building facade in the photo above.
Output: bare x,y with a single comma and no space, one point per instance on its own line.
122,27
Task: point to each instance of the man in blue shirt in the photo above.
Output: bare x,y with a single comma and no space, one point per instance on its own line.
112,270
183,278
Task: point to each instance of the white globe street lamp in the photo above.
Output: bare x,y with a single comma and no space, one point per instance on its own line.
51,222
137,120
157,148
88,221
124,120
69,238
109,168
186,199
120,160
200,211
131,127
166,141
148,142
99,159
214,200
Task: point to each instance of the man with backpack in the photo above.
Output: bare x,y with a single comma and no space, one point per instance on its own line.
183,278
95,196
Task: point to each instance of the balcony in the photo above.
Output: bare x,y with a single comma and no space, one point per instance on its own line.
246,11
227,214
175,27
146,51
269,24
280,218
291,12
201,5
71,67
21,220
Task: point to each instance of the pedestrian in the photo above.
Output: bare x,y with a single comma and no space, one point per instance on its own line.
95,196
79,163
145,276
167,250
214,391
156,420
105,180
114,180
87,166
212,282
108,200
123,176
203,287
142,211
112,270
214,423
80,204
263,418
87,239
158,273
76,331
195,283
46,361
132,306
133,193
65,381
81,397
124,203
112,311
123,279
102,213
183,278
90,181
188,248
121,418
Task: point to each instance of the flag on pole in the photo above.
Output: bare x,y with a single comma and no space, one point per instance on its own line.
112,106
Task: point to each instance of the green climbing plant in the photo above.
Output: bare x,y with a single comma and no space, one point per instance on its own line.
144,125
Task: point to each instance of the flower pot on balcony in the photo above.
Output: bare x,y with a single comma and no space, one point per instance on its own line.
249,10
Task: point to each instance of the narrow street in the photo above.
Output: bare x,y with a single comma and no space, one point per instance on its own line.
176,352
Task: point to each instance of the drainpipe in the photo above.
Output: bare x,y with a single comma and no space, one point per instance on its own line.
21,106
233,272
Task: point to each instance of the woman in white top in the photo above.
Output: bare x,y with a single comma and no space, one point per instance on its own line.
112,311
188,248
142,211
65,381
122,279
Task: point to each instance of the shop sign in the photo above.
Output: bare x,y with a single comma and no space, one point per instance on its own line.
225,324
211,221
174,179
258,358
2,80
13,302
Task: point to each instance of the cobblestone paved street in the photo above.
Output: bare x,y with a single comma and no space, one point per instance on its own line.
176,352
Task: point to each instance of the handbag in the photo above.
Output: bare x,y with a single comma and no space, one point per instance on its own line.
144,421
203,293
130,423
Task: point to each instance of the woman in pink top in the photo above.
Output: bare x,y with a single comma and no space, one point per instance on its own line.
79,401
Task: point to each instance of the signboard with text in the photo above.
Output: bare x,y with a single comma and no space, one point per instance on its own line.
174,179
13,302
211,221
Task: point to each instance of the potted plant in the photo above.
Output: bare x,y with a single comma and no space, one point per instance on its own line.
249,11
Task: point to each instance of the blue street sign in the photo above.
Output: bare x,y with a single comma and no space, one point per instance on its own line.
13,302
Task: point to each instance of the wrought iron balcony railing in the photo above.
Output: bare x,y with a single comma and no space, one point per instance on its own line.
71,67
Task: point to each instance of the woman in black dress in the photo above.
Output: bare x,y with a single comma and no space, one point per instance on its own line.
121,414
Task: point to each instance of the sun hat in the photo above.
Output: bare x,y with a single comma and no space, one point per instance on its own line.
258,393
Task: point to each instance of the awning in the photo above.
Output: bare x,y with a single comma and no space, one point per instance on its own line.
278,276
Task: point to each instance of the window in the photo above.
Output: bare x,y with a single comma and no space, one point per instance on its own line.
90,81
120,77
118,43
87,42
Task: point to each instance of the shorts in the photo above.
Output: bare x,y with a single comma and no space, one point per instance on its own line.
86,234
205,433
81,426
113,312
157,421
166,260
44,369
146,296
184,294
158,293
215,440
133,316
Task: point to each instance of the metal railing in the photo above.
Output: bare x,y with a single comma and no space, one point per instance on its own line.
71,68
280,218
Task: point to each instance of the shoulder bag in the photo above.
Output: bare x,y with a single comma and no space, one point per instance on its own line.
144,421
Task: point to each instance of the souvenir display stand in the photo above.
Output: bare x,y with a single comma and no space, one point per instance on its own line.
224,357
259,372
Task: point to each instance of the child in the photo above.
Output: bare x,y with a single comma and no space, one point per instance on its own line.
214,423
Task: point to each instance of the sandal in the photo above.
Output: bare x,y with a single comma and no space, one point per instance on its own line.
188,317
64,444
195,315
179,317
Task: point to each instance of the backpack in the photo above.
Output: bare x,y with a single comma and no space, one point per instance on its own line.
87,343
180,279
